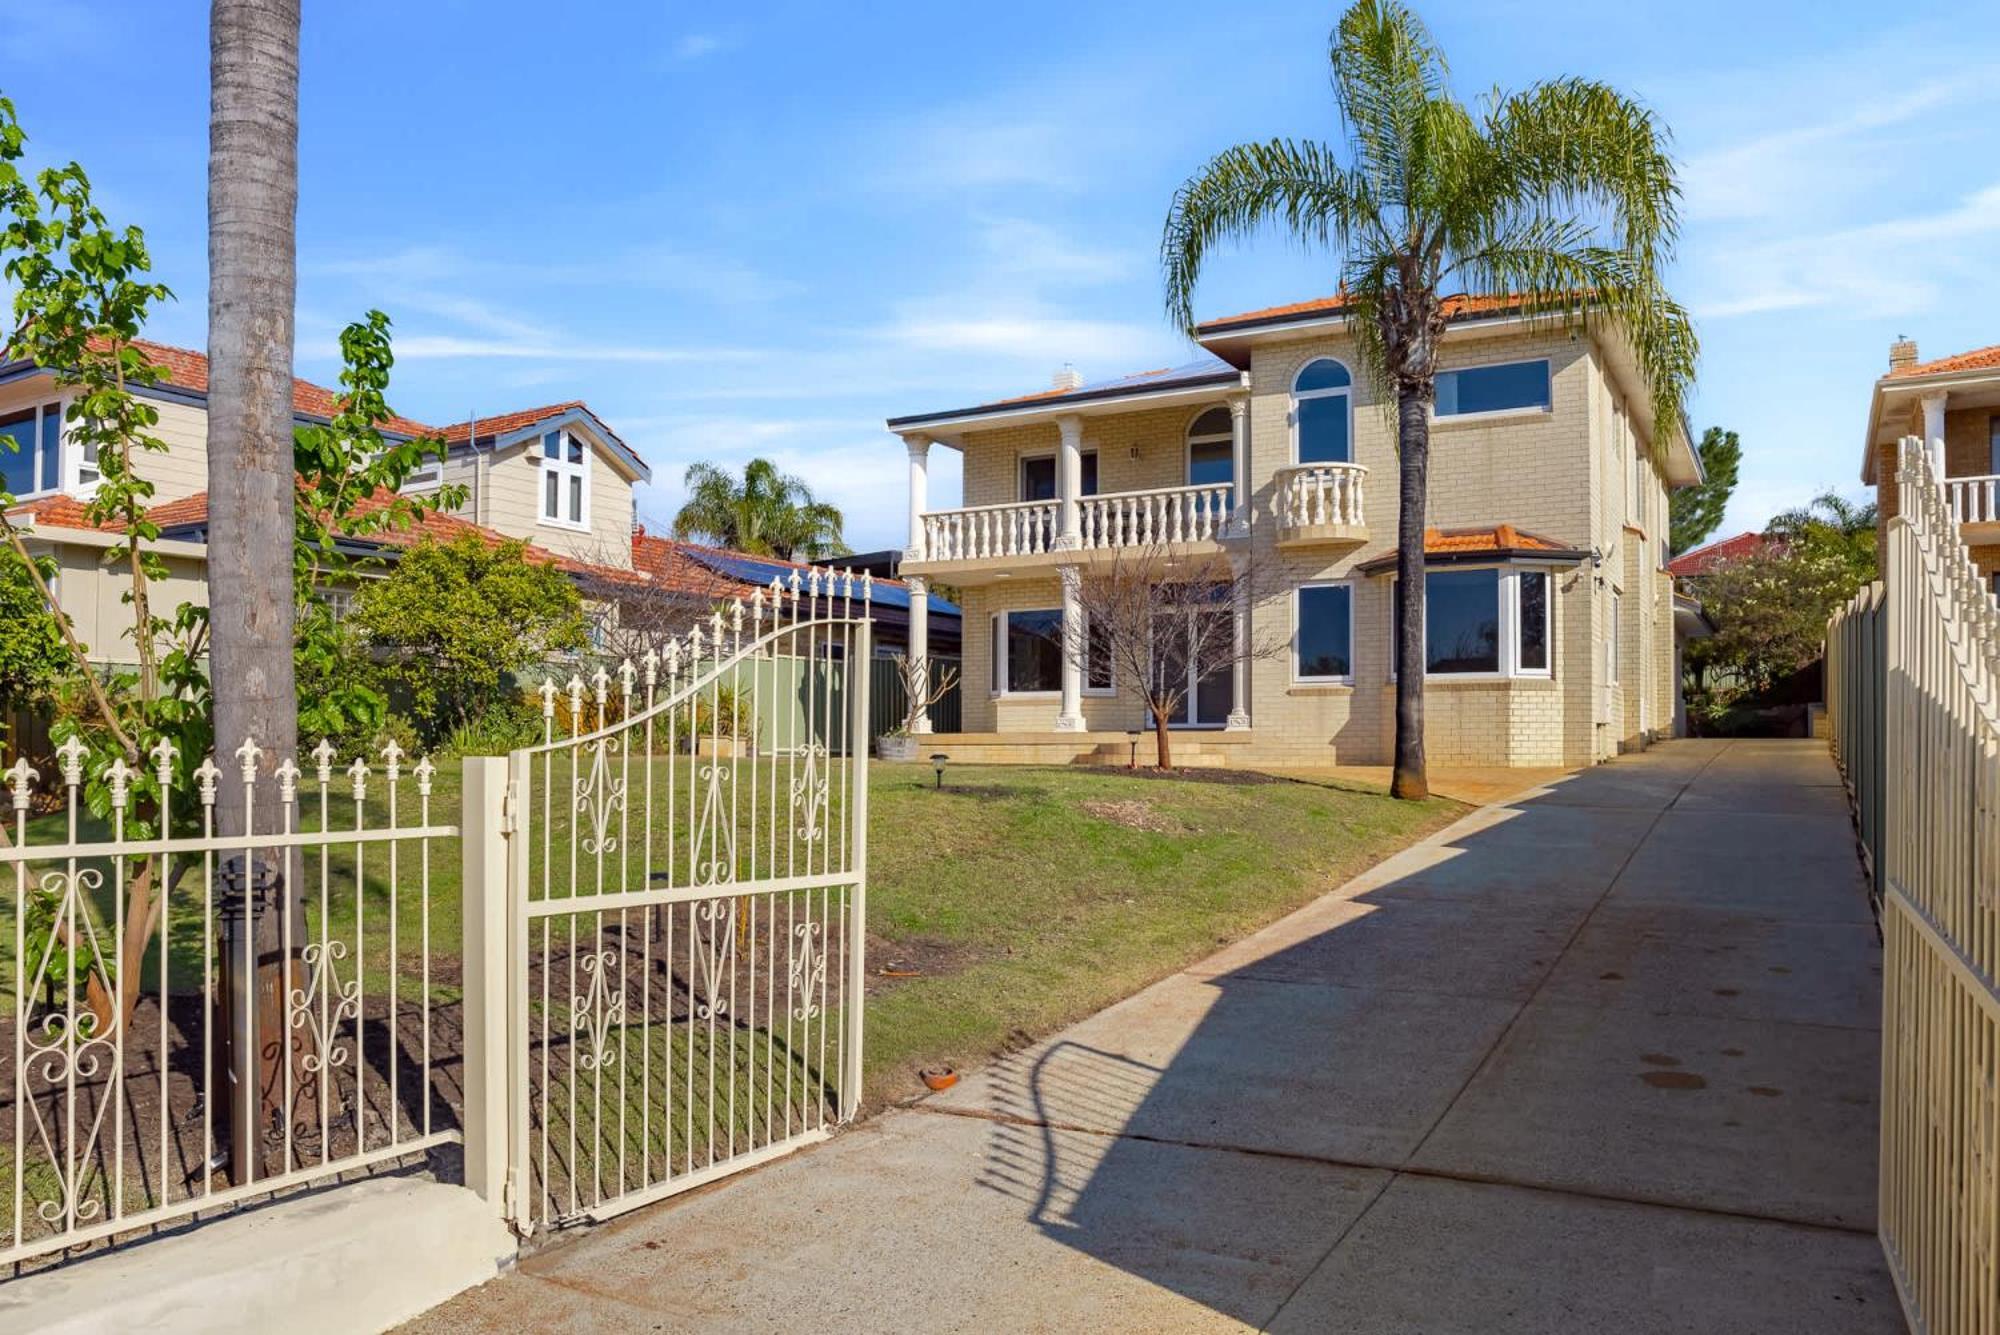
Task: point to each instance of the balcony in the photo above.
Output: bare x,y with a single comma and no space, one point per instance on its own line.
982,542
1320,505
1975,503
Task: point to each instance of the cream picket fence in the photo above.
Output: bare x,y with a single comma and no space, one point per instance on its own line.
1925,653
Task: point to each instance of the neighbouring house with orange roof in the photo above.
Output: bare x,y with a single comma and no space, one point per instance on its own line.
555,477
1698,561
1550,611
1951,404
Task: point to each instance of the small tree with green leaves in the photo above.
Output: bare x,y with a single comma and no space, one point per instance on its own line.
349,486
454,620
1695,512
34,661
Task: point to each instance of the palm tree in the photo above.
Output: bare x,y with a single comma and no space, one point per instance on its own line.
253,193
768,512
1559,199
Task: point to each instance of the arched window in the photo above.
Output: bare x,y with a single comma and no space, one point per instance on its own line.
1322,426
1210,457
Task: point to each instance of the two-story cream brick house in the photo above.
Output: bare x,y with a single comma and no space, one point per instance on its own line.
556,477
1952,404
1550,617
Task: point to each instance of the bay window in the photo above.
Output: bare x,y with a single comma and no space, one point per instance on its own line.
1490,621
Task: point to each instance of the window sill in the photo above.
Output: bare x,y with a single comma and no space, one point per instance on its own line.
1024,695
1471,681
1497,415
562,524
1320,688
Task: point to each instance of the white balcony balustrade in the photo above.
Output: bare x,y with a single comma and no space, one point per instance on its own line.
1322,502
1973,500
1125,520
983,532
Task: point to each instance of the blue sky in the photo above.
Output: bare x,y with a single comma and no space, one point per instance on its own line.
762,229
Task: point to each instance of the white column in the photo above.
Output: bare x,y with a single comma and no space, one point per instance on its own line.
1239,672
1069,482
920,482
1070,719
1239,466
1934,430
920,640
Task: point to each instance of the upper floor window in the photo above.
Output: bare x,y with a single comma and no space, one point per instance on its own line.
1038,476
1993,446
1210,450
1505,387
31,453
565,479
1322,423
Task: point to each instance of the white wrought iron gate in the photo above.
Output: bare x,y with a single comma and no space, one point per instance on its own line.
686,860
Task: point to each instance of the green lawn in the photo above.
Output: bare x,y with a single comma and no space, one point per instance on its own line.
1048,893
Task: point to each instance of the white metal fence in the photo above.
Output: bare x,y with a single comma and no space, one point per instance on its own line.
1939,789
176,1040
677,942
648,974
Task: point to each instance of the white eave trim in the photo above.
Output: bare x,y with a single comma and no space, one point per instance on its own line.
58,535
943,427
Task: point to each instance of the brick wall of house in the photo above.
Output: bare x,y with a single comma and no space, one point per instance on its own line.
1565,474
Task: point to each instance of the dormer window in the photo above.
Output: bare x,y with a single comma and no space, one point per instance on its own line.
31,454
565,480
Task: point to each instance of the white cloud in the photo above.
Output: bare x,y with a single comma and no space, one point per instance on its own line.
1897,266
695,45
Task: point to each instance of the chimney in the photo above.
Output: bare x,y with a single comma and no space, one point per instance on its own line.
1071,378
1903,352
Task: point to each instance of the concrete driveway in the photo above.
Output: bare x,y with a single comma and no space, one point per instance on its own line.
1602,1058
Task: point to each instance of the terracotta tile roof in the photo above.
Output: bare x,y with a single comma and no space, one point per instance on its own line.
193,510
1485,540
1455,308
1701,560
58,512
1979,359
188,370
459,432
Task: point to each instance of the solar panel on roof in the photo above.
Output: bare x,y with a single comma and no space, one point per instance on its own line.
752,570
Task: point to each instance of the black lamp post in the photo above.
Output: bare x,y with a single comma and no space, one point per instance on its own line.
938,760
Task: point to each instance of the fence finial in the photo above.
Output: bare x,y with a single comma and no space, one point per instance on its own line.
424,770
21,778
323,760
163,754
652,664
392,758
548,697
288,780
358,772
119,775
627,676
71,753
247,756
206,777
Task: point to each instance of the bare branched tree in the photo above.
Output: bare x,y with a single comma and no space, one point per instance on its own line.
1154,620
923,686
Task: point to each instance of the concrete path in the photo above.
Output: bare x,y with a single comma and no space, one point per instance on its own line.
1603,1058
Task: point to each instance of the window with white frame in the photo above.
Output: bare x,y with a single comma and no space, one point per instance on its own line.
565,479
1028,654
31,460
1500,388
1323,633
1489,621
1211,459
1322,416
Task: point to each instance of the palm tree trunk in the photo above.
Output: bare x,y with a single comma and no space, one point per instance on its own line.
253,191
1413,442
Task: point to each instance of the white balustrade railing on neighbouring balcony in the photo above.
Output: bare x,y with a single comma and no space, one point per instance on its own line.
1973,500
978,532
1321,494
1130,519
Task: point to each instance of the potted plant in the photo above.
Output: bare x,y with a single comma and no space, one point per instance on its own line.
922,688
